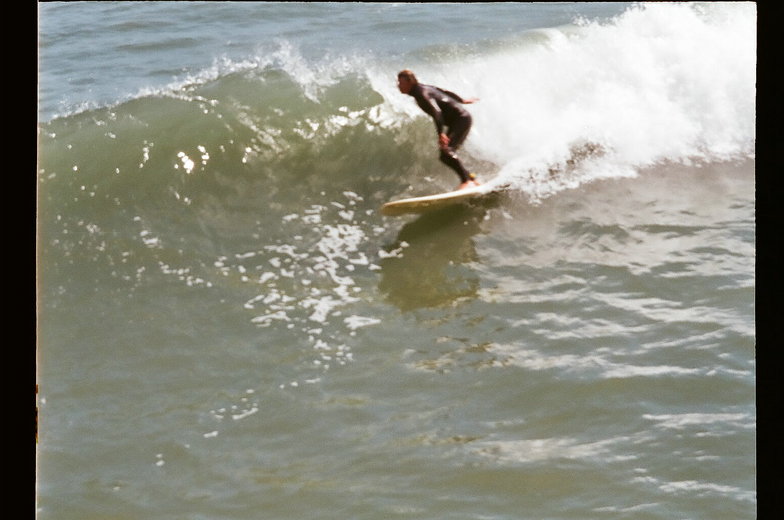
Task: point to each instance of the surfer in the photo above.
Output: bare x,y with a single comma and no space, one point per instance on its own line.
444,107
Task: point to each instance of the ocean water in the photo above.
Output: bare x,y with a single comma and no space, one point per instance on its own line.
229,329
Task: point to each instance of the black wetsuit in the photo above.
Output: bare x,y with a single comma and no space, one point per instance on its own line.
446,110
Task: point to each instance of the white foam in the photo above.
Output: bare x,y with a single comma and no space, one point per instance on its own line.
354,322
661,82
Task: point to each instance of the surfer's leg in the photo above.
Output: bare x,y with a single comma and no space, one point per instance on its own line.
449,158
459,131
457,134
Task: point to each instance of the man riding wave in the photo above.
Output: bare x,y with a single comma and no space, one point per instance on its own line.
452,121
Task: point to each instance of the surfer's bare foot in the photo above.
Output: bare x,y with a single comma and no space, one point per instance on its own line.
468,184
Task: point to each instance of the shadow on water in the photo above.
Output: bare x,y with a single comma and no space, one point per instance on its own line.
426,266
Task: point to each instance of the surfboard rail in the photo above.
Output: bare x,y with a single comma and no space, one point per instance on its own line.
430,202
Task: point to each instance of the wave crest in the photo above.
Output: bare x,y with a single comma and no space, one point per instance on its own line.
562,107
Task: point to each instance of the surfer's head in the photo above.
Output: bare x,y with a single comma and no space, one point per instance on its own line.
406,81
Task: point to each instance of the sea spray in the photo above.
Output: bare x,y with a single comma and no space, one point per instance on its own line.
592,100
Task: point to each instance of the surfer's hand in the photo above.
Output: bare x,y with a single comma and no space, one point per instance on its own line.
443,141
470,100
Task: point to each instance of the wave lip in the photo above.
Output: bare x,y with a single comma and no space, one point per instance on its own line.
670,82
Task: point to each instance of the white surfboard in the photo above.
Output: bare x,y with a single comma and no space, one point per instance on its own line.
430,202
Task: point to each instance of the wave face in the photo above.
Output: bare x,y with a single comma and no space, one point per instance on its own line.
589,100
